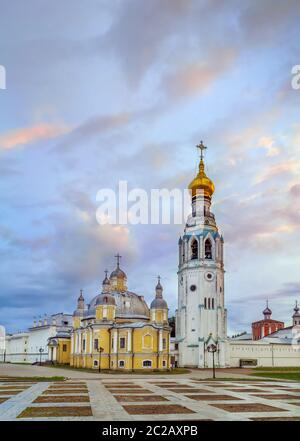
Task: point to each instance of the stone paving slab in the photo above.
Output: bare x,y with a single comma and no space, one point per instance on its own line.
56,411
213,397
171,409
247,407
62,399
11,408
106,404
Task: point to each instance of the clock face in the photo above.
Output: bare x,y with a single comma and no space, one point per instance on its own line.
209,276
193,287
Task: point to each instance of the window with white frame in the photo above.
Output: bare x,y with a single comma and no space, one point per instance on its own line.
147,363
121,363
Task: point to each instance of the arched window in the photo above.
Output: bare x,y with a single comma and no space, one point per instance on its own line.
194,249
147,363
208,249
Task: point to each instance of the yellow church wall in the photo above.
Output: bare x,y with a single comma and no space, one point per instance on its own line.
103,336
159,315
145,339
105,312
61,352
76,322
145,345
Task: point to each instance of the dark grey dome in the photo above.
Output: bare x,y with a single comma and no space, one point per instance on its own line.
78,312
159,303
118,273
105,299
296,309
106,281
129,305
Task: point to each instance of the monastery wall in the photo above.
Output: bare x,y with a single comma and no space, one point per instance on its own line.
264,354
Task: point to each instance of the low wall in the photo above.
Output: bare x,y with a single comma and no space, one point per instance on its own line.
267,355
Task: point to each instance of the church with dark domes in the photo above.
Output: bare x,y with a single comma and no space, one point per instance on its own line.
117,329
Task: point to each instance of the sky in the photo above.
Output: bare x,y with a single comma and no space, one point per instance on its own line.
123,90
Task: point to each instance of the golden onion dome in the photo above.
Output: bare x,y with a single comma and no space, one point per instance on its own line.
201,184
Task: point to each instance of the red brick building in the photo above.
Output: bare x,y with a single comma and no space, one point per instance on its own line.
267,326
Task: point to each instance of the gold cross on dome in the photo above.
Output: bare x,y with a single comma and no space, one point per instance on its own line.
118,257
201,147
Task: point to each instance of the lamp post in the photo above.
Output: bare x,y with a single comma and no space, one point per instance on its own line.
41,350
213,348
100,350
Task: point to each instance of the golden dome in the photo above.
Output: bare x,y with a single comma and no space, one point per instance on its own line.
202,183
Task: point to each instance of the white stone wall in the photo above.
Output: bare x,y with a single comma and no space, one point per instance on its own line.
24,347
266,354
16,348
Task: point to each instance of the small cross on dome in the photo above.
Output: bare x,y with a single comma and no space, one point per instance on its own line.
201,147
118,257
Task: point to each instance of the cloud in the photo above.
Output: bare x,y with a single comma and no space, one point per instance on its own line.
196,77
295,190
271,171
289,291
269,144
29,135
135,40
50,269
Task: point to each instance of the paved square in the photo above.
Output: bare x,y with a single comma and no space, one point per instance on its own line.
158,398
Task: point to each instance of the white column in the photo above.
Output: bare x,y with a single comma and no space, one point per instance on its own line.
91,342
115,342
75,343
201,250
129,341
79,342
160,348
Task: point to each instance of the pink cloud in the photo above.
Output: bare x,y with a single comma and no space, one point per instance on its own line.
197,77
295,190
270,172
28,135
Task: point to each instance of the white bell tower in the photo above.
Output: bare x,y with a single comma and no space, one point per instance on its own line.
201,319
